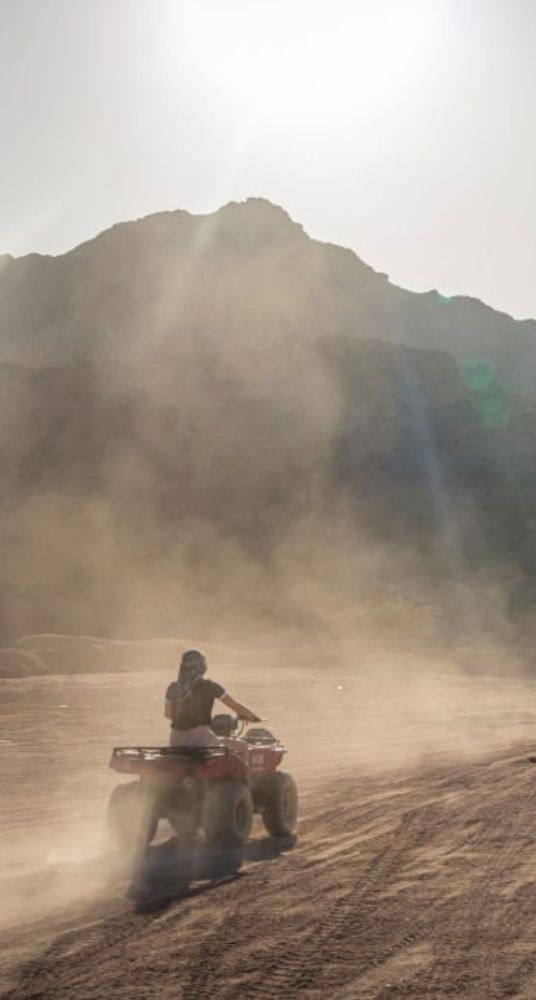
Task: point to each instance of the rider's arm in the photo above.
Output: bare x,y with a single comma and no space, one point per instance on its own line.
170,699
241,710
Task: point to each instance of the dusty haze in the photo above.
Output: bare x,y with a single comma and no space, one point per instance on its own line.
218,425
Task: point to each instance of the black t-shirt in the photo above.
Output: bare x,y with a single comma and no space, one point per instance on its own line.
197,709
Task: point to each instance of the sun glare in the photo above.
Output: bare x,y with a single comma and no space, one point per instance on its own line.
280,60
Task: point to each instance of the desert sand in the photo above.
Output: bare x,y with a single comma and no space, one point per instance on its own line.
412,873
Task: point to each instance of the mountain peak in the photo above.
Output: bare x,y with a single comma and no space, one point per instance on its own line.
258,208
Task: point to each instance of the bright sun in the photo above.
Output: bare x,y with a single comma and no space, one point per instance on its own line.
299,58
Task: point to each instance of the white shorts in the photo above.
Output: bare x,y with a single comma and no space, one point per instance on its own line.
200,736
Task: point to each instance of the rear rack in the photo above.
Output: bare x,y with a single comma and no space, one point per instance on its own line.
160,753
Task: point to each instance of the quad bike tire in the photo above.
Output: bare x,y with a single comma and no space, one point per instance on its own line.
132,816
227,813
279,804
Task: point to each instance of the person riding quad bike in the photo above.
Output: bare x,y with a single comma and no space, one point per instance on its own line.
189,702
211,780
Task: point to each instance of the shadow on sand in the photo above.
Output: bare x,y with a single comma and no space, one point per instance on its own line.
166,871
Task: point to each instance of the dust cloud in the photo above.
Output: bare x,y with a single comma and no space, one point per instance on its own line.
202,445
340,717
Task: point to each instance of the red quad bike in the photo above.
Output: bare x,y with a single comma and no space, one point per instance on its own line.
215,789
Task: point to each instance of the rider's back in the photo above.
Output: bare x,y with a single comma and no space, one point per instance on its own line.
196,709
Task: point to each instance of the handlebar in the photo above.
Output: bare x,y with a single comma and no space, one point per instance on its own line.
241,724
228,725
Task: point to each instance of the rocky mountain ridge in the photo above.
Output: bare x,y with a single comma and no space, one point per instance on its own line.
171,272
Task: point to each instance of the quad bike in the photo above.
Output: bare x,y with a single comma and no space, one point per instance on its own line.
214,789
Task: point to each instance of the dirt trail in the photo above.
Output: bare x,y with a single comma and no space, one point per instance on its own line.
414,880
420,883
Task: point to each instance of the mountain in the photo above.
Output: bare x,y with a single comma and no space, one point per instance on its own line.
246,270
208,421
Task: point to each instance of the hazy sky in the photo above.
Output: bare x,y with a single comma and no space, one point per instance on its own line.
405,129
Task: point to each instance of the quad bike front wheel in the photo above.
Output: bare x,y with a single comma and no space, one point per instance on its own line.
227,813
279,804
132,816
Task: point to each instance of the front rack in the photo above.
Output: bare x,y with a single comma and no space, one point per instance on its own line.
263,741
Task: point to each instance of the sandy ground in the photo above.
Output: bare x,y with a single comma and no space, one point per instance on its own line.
413,872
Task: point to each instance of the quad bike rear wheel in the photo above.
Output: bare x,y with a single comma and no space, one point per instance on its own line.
132,816
227,813
279,804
